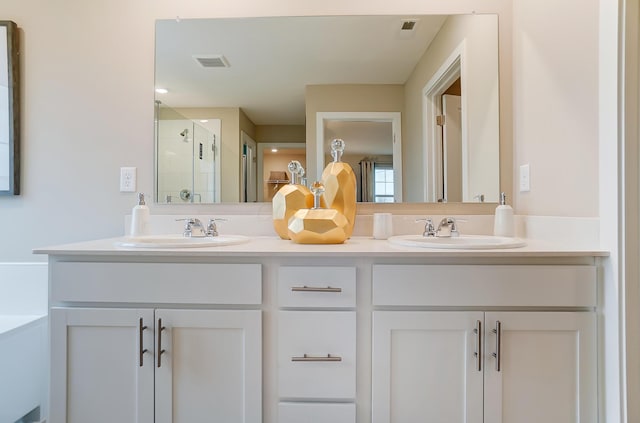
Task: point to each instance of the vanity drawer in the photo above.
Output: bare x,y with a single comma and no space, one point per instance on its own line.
317,354
173,283
317,287
485,285
305,412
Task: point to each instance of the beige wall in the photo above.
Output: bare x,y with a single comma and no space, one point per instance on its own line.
346,98
555,113
87,104
247,125
280,133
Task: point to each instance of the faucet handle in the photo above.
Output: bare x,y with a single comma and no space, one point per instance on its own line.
429,229
212,228
448,221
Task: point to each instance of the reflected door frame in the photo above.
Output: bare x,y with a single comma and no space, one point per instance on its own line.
452,154
396,124
248,170
269,145
450,70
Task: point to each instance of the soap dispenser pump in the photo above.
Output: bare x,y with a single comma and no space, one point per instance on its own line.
139,218
503,221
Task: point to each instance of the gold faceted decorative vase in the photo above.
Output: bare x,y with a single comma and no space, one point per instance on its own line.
340,185
318,225
289,199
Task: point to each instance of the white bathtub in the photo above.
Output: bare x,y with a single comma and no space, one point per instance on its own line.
22,365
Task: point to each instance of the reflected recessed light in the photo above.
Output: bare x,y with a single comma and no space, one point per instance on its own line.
274,150
162,90
204,120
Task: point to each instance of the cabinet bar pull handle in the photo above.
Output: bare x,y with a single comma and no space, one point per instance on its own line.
315,289
478,352
498,332
306,357
143,350
160,350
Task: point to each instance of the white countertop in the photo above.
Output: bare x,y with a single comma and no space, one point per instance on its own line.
354,247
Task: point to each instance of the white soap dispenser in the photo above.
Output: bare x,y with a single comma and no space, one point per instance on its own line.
503,222
139,218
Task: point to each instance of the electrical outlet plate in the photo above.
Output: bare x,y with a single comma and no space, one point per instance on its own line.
127,179
525,178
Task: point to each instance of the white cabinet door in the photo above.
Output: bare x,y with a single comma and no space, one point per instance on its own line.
425,367
211,367
547,368
98,371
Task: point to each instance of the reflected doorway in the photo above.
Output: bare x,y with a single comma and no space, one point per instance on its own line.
273,160
451,146
373,148
445,161
248,172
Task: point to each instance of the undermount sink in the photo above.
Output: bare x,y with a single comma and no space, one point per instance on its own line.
462,242
179,241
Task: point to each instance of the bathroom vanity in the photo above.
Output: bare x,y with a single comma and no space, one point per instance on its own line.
271,331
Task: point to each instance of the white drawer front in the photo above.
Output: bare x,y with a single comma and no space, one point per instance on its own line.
176,283
316,413
488,285
323,336
317,287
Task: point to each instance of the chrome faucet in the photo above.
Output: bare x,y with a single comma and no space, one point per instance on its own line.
447,228
193,228
429,229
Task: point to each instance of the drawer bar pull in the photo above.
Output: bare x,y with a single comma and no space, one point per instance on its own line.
315,289
306,357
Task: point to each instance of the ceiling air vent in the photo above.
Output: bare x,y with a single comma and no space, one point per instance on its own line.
212,61
408,25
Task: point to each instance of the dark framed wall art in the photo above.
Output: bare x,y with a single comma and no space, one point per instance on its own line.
9,109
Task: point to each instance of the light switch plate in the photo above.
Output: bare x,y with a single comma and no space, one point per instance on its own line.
127,179
525,178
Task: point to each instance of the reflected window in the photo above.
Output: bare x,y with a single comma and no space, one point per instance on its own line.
383,183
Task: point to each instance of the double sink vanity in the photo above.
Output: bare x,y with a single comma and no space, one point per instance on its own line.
258,329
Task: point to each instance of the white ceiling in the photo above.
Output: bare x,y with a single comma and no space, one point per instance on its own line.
273,59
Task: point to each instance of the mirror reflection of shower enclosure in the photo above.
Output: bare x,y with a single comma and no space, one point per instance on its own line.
187,159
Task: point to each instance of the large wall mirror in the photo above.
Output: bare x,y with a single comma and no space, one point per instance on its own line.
415,98
9,110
